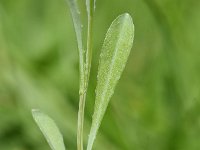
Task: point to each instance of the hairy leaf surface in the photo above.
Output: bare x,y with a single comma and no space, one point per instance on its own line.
113,58
49,130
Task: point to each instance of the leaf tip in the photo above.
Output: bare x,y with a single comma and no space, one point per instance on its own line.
126,17
34,112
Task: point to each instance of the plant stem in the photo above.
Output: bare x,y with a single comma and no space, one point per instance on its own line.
82,97
81,121
86,75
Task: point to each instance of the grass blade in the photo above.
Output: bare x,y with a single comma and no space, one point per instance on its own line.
49,130
114,55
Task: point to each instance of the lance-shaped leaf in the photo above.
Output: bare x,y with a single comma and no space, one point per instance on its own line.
49,130
73,5
113,58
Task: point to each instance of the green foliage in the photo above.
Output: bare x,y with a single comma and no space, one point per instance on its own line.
75,12
49,130
114,55
115,52
156,105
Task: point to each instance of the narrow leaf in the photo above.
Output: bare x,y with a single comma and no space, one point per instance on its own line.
114,55
78,29
76,20
49,130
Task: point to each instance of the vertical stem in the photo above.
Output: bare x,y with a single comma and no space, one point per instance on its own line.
84,86
80,121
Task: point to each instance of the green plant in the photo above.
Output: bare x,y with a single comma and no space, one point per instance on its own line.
113,58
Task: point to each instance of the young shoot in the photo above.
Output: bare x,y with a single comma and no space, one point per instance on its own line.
114,55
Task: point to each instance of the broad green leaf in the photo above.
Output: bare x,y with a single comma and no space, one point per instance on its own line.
49,130
113,58
78,29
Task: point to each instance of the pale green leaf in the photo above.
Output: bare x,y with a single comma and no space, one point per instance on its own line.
73,5
49,130
114,55
77,21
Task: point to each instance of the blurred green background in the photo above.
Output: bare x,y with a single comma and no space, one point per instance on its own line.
156,105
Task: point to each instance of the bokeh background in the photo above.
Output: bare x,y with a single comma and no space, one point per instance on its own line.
156,105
